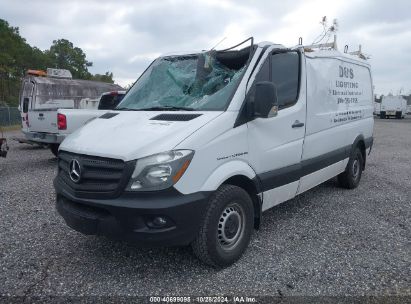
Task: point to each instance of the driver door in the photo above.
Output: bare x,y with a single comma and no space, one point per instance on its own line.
276,143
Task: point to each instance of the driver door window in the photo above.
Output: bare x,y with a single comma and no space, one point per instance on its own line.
285,70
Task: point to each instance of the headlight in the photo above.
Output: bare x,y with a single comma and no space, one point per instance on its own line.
159,171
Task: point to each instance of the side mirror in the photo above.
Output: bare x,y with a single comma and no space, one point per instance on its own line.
265,99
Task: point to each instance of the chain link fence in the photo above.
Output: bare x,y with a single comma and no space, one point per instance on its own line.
9,116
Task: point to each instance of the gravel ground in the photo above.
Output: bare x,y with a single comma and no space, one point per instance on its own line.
326,242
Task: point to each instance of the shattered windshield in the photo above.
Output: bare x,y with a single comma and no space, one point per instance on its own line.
192,82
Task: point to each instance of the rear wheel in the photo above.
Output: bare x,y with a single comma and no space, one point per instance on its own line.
54,148
351,177
227,227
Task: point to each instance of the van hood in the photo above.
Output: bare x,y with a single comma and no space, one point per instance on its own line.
129,135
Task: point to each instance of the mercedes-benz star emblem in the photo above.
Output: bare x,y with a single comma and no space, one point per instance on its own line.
75,171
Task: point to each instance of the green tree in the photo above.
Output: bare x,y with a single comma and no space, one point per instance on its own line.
17,56
64,55
107,77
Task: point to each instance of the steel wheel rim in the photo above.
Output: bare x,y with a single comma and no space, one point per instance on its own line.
356,168
230,227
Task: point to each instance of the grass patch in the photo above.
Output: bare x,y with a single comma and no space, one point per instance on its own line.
10,128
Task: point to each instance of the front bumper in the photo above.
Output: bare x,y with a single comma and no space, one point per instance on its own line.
130,216
47,138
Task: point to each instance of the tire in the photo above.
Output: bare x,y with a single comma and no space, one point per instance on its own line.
351,177
54,148
382,115
231,209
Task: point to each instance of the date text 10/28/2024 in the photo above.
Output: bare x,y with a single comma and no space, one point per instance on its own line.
204,299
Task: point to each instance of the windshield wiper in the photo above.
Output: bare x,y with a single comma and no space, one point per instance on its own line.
158,108
122,109
167,108
127,109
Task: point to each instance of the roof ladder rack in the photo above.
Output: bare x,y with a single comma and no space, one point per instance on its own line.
359,53
329,45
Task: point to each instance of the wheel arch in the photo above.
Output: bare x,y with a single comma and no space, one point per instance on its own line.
251,186
359,142
238,173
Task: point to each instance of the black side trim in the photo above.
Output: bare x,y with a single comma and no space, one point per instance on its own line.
317,163
108,115
175,117
280,177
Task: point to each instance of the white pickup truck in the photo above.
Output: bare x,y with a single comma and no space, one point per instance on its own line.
69,120
43,93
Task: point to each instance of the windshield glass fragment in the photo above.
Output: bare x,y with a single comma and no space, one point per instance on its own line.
203,81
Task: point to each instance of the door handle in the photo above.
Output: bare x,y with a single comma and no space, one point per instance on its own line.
297,124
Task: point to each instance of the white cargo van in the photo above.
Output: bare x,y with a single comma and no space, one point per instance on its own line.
393,106
204,143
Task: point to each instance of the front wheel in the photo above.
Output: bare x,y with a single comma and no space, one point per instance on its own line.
227,227
351,177
54,148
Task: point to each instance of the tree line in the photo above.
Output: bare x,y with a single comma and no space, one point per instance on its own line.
17,56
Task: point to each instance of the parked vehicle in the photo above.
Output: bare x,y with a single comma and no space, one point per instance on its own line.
377,108
204,143
43,93
110,100
69,120
393,106
408,109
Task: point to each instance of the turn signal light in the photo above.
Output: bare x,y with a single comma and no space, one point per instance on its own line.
180,172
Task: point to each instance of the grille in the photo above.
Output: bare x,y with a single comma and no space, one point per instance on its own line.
100,177
175,117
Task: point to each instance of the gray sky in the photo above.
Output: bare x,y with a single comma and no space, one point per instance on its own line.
123,37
